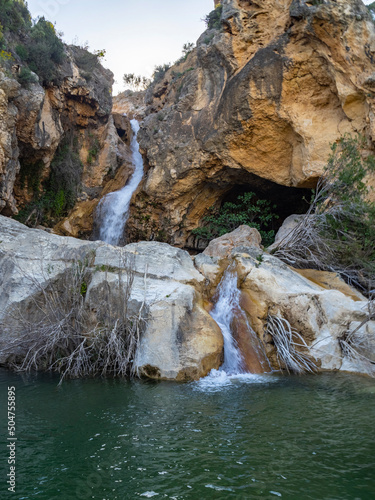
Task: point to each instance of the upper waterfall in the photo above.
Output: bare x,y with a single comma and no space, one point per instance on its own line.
114,208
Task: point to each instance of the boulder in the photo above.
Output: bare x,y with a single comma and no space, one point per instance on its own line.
289,224
323,317
180,341
319,305
242,236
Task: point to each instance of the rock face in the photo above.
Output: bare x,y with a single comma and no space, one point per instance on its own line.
255,106
9,165
181,340
318,305
36,121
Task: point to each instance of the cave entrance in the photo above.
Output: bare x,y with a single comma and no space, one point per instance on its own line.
284,200
231,184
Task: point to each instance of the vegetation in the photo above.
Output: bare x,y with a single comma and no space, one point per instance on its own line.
94,149
39,47
25,76
213,19
138,82
160,71
45,51
87,61
371,8
246,210
14,16
354,343
338,232
288,343
59,335
58,193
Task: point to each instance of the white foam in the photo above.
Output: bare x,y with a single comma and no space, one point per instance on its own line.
217,380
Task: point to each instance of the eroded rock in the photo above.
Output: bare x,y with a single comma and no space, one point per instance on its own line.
256,104
181,340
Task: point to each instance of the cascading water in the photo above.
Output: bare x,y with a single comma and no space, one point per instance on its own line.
243,354
114,208
228,297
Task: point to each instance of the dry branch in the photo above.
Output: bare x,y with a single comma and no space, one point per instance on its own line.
56,331
286,341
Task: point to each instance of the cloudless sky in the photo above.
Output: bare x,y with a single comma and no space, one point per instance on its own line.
137,34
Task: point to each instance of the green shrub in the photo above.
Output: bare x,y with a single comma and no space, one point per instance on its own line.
371,8
25,76
247,210
86,61
136,82
213,19
59,192
22,52
14,15
160,71
45,51
65,176
30,176
93,151
2,41
338,232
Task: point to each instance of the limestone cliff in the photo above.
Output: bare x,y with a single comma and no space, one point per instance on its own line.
255,106
40,125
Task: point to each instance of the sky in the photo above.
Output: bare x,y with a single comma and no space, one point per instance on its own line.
137,34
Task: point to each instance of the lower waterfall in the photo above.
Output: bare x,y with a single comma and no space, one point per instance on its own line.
243,352
114,208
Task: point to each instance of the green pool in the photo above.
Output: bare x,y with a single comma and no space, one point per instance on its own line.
269,436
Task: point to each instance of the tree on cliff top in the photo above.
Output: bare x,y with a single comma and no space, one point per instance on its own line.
14,15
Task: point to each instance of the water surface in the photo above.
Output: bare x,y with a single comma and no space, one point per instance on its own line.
251,436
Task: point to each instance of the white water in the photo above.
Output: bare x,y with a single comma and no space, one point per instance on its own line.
228,300
114,208
233,369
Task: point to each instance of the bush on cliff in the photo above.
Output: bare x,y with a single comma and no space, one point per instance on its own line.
371,8
37,45
338,232
44,51
58,193
245,210
14,15
213,19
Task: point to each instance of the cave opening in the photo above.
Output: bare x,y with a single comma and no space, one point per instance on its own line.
231,184
284,200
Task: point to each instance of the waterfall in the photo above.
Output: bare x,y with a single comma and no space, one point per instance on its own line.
228,297
244,357
114,208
